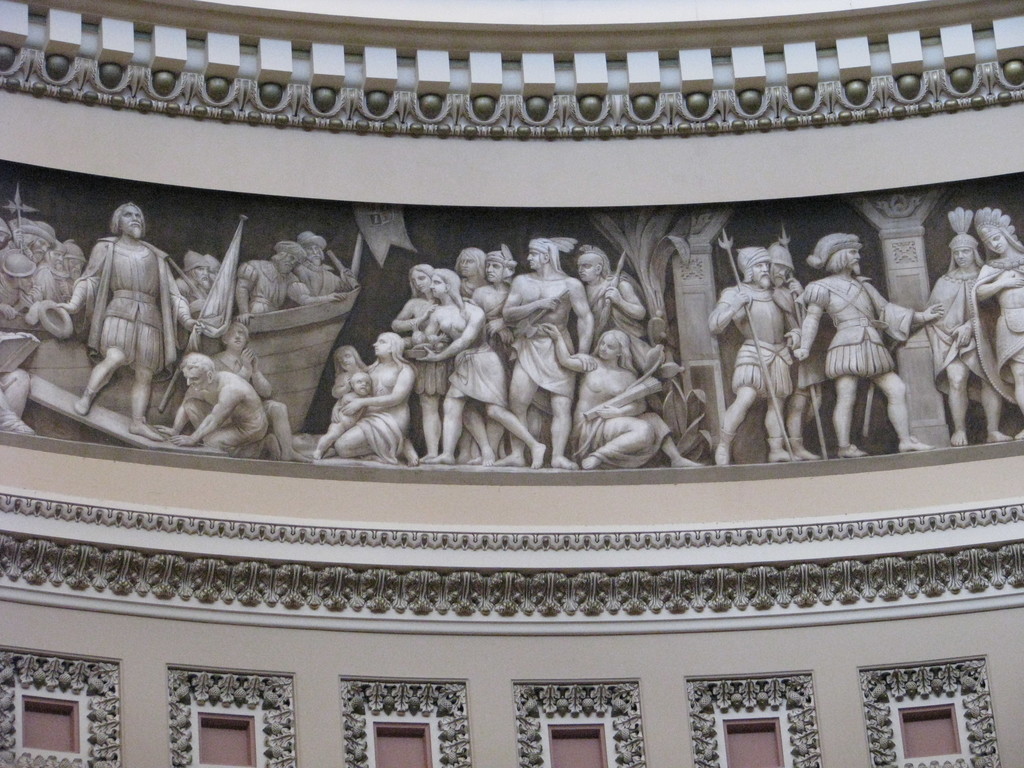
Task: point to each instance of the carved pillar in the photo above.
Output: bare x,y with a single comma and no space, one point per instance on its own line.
900,219
695,295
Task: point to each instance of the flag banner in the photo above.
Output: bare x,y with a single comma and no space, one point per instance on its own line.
382,226
216,314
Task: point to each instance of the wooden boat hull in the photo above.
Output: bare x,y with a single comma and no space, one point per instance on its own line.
291,345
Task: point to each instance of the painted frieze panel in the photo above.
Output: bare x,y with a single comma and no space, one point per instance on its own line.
515,341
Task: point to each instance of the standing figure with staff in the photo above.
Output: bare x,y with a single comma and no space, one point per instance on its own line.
769,332
806,397
859,313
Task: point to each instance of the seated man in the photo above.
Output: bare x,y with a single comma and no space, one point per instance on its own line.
224,410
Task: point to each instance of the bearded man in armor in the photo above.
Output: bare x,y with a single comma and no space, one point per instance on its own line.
758,310
859,313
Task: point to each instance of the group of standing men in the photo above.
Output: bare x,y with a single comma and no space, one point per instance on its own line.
780,320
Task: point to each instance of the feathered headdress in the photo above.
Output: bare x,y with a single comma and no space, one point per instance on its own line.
554,246
993,218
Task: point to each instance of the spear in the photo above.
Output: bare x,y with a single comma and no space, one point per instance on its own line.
725,243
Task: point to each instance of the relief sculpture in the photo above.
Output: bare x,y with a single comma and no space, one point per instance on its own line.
509,340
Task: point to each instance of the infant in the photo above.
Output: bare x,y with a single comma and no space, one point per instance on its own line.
359,385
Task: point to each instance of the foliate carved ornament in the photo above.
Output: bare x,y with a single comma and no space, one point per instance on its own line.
443,703
95,682
964,681
616,703
348,109
475,593
791,697
506,541
270,699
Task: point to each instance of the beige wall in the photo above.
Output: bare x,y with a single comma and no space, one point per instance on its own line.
661,662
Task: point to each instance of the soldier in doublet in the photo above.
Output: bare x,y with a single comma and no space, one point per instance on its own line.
759,311
859,313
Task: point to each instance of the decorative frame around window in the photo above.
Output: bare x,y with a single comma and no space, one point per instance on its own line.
269,699
94,685
614,704
715,701
962,682
441,704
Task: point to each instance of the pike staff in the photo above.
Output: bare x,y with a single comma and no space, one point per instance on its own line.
725,243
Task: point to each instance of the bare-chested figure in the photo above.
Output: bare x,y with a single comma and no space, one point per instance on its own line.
225,411
1002,278
478,374
546,295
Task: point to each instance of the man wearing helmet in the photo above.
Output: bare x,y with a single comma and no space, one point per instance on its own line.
769,332
859,313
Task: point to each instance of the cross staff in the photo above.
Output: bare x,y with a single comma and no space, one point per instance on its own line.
725,243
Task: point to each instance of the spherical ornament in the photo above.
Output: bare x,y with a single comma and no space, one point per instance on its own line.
845,117
909,86
498,132
537,108
164,82
378,102
270,94
698,103
484,106
324,98
856,91
470,131
523,132
630,131
217,88
111,74
578,132
604,132
644,105
1013,71
803,96
431,105
590,107
7,56
961,79
750,100
57,66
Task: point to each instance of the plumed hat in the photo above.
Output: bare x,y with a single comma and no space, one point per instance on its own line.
554,246
994,218
960,221
36,228
829,245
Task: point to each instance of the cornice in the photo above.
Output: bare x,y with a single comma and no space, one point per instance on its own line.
406,113
128,580
588,540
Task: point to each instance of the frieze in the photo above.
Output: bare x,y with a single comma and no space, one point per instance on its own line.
510,594
510,116
577,345
508,541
